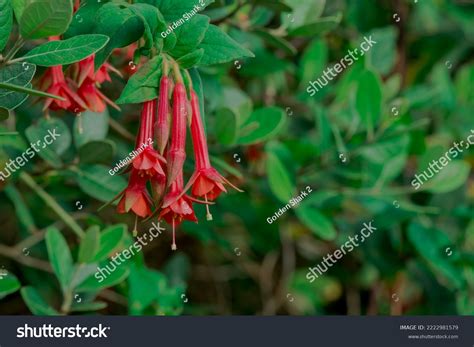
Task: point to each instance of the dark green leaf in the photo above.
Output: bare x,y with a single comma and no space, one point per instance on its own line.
43,18
143,85
19,75
99,151
6,22
189,60
121,25
94,127
67,51
96,181
190,35
220,48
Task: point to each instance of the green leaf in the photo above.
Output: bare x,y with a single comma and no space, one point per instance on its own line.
189,60
369,99
226,126
95,127
59,257
8,284
220,48
431,244
19,75
43,18
382,56
173,10
304,12
280,178
43,133
96,181
313,62
110,239
36,303
316,222
451,177
4,114
94,284
143,85
84,19
89,245
65,52
88,306
121,25
6,22
262,125
146,285
190,35
276,41
19,6
152,19
321,26
27,91
100,152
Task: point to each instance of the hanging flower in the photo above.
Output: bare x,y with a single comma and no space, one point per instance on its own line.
177,207
206,181
54,82
135,197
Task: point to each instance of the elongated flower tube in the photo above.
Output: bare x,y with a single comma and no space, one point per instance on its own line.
148,162
206,181
177,152
164,120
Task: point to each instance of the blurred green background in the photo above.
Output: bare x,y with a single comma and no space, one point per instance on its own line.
414,88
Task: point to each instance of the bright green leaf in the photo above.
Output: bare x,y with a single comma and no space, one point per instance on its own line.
36,303
59,257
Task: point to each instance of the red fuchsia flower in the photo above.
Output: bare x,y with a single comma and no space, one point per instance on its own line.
148,162
177,207
54,82
88,82
164,119
206,181
177,151
135,197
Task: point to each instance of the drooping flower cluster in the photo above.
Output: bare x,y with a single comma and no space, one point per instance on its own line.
79,86
165,122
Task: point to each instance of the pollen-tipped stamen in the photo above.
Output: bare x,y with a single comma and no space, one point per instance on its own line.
173,246
208,212
135,231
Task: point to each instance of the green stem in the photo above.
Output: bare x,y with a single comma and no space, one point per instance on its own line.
49,200
16,47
